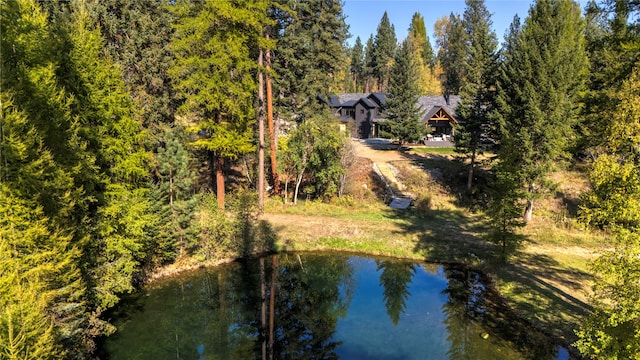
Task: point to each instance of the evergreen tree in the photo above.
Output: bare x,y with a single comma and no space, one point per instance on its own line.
175,198
215,75
613,42
402,112
505,209
477,96
42,202
422,43
357,65
423,54
542,75
451,40
385,44
137,36
369,66
310,54
42,292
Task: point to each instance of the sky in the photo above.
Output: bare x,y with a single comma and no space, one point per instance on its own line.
363,16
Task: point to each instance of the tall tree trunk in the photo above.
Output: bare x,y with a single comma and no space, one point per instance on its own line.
298,181
275,180
218,169
260,132
286,189
471,166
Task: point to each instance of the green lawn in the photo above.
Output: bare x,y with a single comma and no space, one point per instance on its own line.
433,150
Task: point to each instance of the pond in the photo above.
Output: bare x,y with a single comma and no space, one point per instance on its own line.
322,306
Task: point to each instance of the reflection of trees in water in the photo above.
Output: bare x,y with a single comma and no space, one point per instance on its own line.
475,312
395,280
308,303
300,308
465,304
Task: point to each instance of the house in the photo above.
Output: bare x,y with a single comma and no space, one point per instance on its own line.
440,114
365,113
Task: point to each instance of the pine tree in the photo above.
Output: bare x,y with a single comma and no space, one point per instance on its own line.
385,44
173,192
402,112
37,265
541,78
477,96
310,54
419,33
215,75
423,54
613,42
115,251
451,40
137,36
42,200
369,66
357,65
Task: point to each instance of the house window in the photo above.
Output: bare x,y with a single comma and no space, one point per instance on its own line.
361,111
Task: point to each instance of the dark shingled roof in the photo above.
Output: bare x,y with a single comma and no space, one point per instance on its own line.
379,98
368,103
350,103
351,97
429,104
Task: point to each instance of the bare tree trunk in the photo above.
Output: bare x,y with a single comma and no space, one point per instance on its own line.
286,189
260,133
528,212
298,181
218,168
272,131
471,166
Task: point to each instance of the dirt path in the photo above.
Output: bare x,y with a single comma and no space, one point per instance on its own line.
378,151
381,153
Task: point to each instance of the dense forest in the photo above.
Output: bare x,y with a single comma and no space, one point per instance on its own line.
132,135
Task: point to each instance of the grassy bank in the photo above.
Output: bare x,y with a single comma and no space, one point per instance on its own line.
547,282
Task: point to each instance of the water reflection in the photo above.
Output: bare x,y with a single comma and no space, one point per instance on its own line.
395,278
319,307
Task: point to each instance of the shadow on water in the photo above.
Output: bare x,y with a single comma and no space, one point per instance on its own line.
321,306
469,298
455,236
